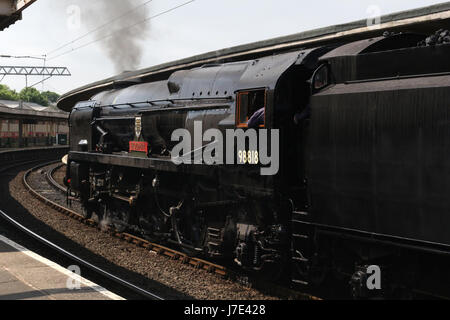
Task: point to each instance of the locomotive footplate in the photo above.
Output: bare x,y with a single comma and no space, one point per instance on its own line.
165,165
126,160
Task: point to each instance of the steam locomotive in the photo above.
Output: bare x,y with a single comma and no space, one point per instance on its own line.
363,178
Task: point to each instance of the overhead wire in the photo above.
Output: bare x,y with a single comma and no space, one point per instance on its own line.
122,29
99,27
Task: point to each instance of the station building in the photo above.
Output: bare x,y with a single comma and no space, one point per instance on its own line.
24,124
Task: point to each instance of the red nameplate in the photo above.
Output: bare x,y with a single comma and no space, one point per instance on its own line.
138,146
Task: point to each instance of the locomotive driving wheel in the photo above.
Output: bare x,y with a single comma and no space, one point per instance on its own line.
189,228
152,222
118,214
87,211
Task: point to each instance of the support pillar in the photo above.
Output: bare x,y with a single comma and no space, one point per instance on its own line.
20,133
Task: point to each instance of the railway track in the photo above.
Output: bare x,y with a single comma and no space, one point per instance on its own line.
159,249
151,246
171,253
119,284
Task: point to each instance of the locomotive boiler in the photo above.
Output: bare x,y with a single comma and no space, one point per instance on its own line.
361,179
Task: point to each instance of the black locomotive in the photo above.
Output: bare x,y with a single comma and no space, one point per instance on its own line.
363,179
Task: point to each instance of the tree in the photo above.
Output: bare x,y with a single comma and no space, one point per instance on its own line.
51,96
7,94
28,95
33,95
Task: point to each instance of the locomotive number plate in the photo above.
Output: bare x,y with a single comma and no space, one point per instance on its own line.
138,146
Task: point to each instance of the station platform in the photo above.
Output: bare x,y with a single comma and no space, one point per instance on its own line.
25,275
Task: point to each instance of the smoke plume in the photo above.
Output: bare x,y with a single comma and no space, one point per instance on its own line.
126,47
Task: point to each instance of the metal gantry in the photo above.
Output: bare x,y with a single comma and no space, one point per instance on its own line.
47,72
34,71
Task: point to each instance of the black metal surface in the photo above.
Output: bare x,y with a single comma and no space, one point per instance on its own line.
354,65
378,158
206,94
126,161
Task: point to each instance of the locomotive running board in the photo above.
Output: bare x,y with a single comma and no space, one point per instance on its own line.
162,165
129,161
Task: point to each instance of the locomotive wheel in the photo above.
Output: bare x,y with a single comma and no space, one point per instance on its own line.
152,223
88,210
189,229
318,270
98,215
118,214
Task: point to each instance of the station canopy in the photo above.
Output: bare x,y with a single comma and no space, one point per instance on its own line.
11,11
16,109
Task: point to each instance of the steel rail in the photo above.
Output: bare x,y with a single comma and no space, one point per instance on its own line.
90,266
78,260
55,248
157,248
52,181
18,164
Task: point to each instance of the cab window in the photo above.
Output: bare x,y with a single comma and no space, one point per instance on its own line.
250,103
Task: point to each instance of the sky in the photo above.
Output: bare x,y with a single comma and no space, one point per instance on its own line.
198,27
